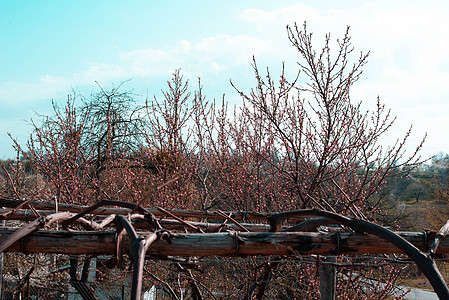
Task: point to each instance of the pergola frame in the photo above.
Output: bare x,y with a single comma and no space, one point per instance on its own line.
140,231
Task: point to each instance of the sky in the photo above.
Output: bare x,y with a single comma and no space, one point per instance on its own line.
51,48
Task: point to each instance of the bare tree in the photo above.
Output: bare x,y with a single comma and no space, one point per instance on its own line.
325,147
115,126
300,143
55,150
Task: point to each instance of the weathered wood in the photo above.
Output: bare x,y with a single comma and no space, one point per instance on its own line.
138,249
424,261
30,227
27,215
440,235
179,219
368,238
43,205
217,244
134,207
377,239
328,274
196,214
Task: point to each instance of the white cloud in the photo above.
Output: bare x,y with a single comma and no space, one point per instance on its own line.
99,72
218,52
214,66
210,54
17,93
408,64
237,49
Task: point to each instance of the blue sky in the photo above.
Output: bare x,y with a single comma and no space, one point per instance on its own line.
49,48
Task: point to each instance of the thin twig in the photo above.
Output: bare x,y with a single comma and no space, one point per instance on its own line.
219,212
180,220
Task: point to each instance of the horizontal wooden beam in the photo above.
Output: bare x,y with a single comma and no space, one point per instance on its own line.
218,244
28,215
196,214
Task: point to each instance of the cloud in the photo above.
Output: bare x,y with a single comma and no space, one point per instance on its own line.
408,64
272,24
100,72
14,94
217,53
213,54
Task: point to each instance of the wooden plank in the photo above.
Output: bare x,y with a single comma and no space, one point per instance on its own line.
27,215
217,244
197,214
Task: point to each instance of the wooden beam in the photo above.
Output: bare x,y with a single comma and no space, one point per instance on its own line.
28,216
217,244
196,214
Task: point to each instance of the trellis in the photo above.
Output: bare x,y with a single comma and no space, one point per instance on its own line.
122,227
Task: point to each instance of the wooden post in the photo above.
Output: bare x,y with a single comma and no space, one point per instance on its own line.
1,266
328,276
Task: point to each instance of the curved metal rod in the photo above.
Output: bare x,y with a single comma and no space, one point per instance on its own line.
423,260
